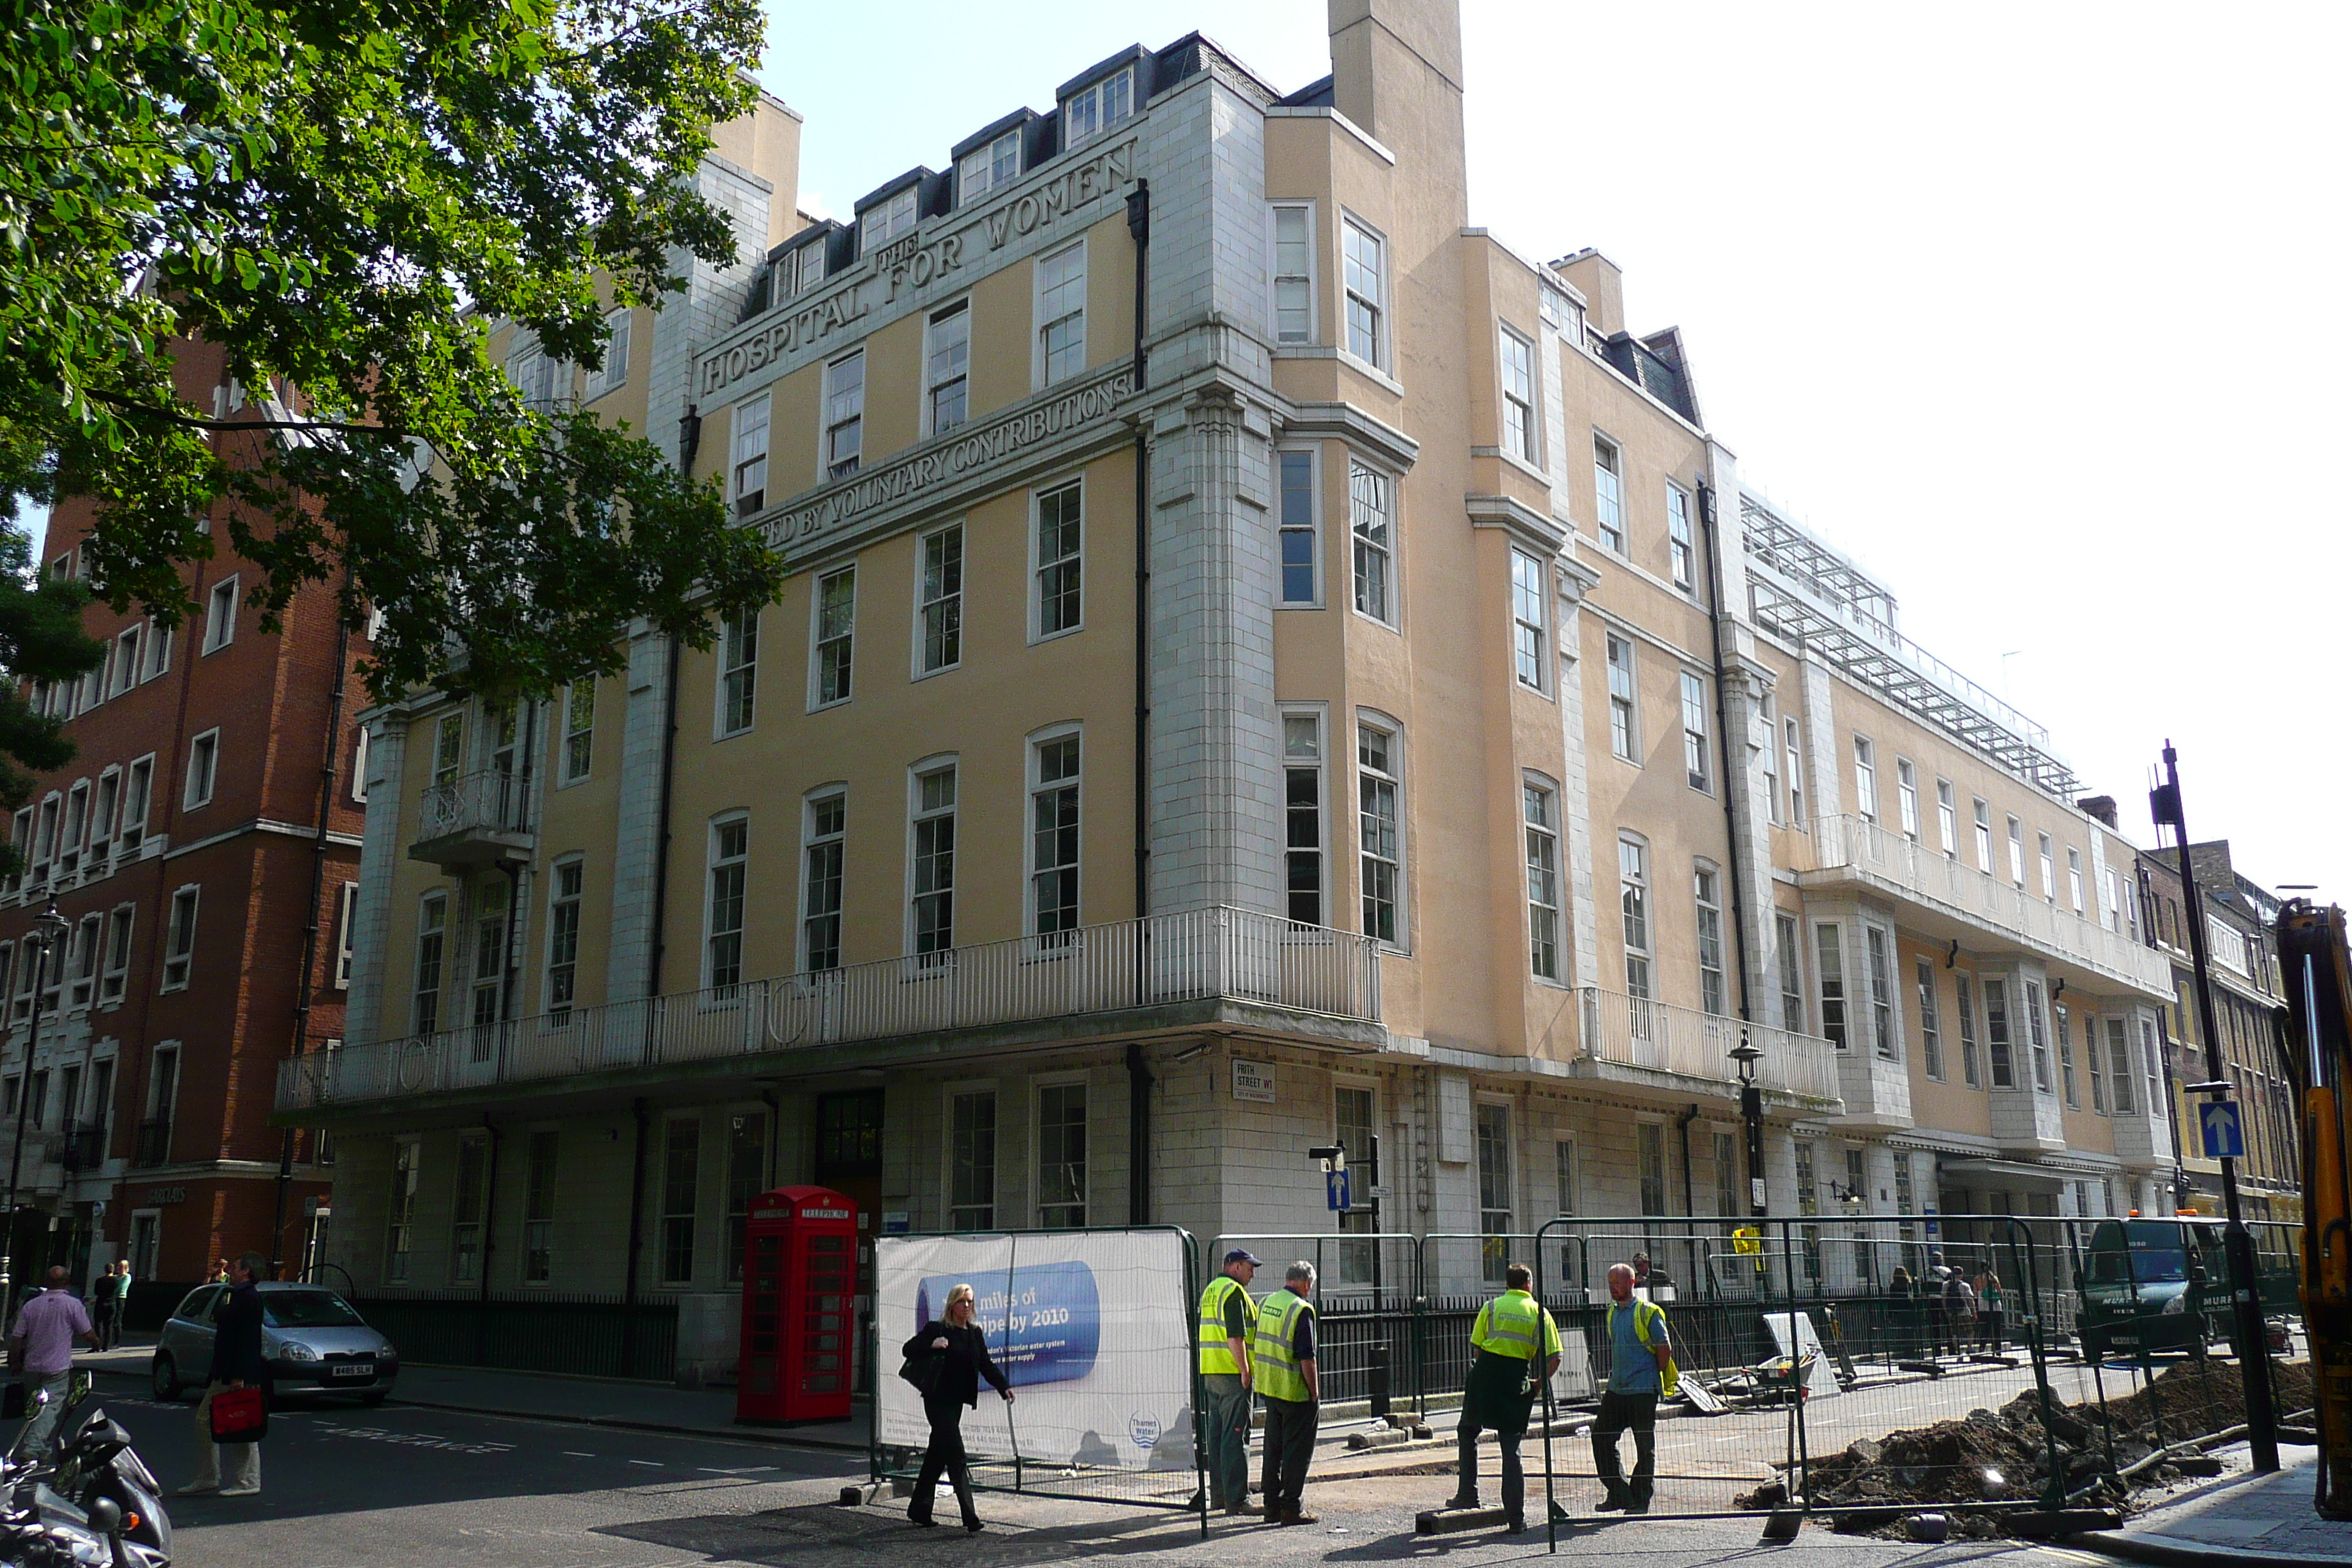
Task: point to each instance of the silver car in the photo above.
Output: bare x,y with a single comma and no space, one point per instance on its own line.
311,1339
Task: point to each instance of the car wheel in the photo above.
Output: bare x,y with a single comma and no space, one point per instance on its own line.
375,1396
166,1379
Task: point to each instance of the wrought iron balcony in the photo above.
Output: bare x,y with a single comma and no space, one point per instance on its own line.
81,1149
475,819
1238,956
154,1146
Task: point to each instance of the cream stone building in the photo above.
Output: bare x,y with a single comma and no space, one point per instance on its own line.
1263,664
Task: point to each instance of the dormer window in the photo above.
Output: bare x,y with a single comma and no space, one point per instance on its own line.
887,220
1095,108
984,169
800,270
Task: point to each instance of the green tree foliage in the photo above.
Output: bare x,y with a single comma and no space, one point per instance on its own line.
41,639
342,195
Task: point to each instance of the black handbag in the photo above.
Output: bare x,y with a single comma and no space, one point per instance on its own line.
923,1370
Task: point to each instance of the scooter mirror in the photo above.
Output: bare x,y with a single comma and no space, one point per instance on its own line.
78,1387
105,1516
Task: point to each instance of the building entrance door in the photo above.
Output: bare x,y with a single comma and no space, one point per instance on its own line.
849,1160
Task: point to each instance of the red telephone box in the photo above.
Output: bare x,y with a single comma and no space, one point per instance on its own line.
799,1281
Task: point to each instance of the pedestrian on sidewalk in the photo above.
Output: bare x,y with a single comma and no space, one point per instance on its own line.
122,1278
1501,1392
237,1364
1228,1322
1640,1368
105,1303
1655,1283
1992,1308
1959,1310
959,1351
1903,1311
40,1353
1283,1358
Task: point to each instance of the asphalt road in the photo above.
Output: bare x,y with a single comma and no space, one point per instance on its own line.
393,1487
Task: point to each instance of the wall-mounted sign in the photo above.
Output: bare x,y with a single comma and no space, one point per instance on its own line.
160,1195
1254,1081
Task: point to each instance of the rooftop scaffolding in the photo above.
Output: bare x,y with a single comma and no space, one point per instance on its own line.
1800,589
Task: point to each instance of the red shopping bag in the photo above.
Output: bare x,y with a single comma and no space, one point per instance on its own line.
239,1416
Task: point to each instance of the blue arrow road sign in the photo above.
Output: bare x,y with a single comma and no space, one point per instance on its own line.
1335,1190
2225,1135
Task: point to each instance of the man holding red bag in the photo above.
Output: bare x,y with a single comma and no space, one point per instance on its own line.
237,1364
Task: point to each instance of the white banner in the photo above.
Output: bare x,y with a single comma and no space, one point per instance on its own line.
1091,1328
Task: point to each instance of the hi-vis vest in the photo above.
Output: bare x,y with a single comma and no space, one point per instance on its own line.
1278,1376
1670,1376
1217,1355
1512,1324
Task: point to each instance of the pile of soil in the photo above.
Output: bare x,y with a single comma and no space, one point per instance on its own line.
2004,1455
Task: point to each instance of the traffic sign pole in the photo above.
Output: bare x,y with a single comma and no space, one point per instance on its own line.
2252,1345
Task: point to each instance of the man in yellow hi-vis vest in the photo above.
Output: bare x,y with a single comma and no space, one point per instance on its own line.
1640,1367
1228,1322
1282,1358
1511,1330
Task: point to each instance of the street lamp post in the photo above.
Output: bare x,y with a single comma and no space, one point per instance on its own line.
1751,1112
2238,1243
43,939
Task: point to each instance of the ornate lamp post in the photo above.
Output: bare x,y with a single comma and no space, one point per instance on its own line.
46,933
1751,1112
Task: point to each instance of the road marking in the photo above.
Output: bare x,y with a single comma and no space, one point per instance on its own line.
415,1440
576,1454
650,1464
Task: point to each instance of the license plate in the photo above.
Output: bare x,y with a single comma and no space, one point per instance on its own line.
355,1369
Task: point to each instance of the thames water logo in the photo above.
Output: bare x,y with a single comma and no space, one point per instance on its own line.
1143,1430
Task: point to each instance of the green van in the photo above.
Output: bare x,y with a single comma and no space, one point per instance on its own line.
2151,1285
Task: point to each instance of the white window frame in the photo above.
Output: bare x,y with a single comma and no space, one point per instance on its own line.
1948,818
1881,960
1364,289
2074,878
1698,771
614,372
122,669
1865,778
737,672
1387,549
917,813
750,443
1833,998
180,936
220,614
576,742
1039,565
1298,285
842,417
1037,791
559,899
951,1096
1307,720
1707,899
89,936
817,837
942,600
205,746
1637,919
2046,851
1609,492
1531,661
2017,852
1793,750
1521,388
1390,777
1288,527
888,219
977,172
1539,826
1787,935
359,764
1101,106
934,342
1980,810
821,644
1052,296
1625,705
1931,1018
347,910
1038,1088
434,902
1681,554
1906,797
717,860
121,933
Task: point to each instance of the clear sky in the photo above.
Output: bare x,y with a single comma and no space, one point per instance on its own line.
2037,311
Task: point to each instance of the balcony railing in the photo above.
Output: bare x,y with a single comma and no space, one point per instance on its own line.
1195,955
82,1149
473,817
154,1146
1693,1044
1855,844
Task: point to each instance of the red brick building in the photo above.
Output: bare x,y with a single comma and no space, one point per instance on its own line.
204,840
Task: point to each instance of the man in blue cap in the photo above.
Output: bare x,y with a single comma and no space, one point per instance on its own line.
1228,1322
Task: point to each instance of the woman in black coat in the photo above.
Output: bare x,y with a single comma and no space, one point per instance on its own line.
959,1353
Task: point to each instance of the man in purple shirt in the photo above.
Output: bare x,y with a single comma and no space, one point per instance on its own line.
40,1352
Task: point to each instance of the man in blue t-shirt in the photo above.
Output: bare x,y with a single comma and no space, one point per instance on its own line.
1638,1351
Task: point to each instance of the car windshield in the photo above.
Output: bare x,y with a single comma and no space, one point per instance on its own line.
308,1309
2157,1256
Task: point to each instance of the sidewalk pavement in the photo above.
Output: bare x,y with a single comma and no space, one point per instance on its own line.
2250,1521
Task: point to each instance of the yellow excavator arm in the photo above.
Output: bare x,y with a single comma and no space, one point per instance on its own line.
2317,972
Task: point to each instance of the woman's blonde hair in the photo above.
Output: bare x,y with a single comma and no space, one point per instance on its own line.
960,1293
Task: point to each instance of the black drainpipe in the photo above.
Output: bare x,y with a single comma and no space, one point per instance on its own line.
1690,1192
1138,1074
643,1111
1723,733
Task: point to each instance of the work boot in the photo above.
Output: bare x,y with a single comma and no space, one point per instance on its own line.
1243,1511
1618,1499
1298,1518
1462,1501
1638,1501
1515,1525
